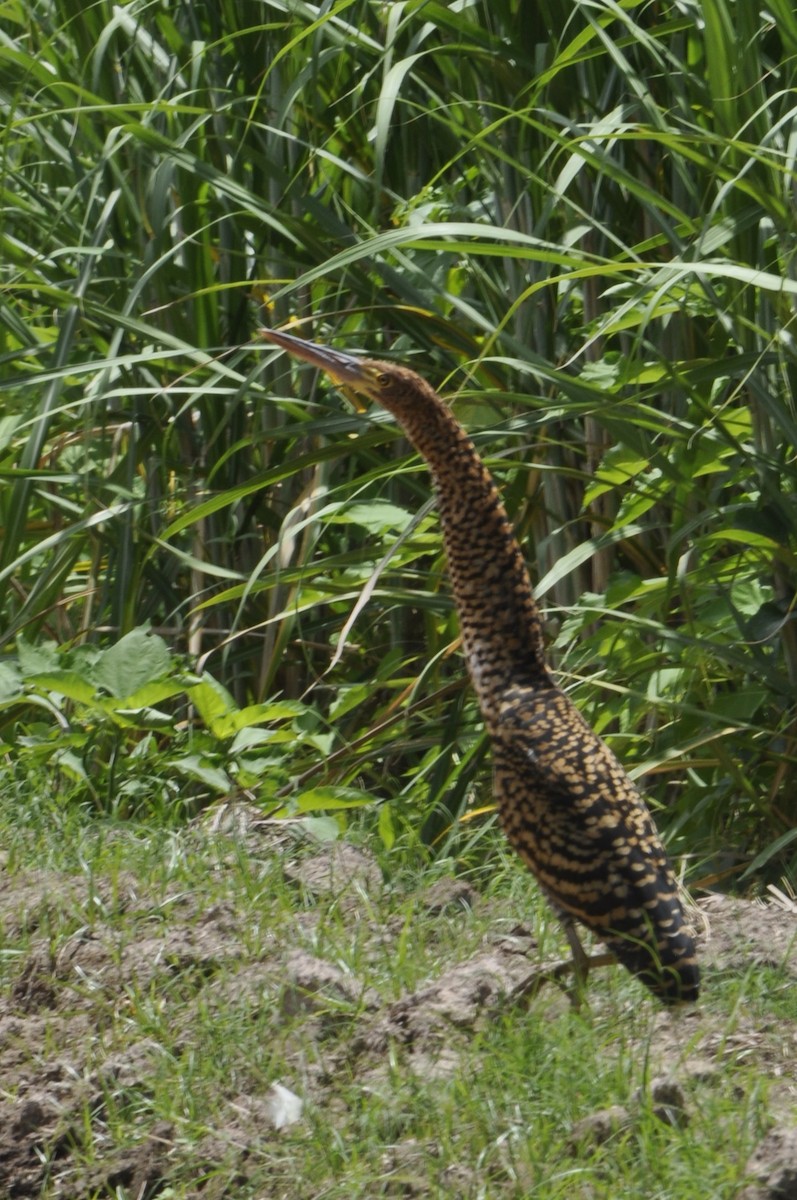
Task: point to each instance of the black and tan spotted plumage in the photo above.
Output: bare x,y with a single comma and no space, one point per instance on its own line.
565,803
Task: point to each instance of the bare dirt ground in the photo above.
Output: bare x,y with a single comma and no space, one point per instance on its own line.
61,991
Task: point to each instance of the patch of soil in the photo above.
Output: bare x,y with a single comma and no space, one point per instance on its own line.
773,1167
64,997
339,872
36,898
740,934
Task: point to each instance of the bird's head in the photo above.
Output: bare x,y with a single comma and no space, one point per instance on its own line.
400,391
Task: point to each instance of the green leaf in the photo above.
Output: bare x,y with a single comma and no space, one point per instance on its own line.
212,701
770,851
323,829
618,466
69,762
8,426
767,622
10,683
387,832
66,683
137,660
745,537
193,766
251,737
140,718
224,719
35,660
330,798
232,723
376,518
150,693
581,554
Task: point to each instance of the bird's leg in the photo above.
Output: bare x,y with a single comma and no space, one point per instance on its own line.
581,960
570,974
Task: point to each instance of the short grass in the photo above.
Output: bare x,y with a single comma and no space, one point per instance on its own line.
498,1122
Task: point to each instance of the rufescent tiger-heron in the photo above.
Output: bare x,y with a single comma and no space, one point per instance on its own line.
564,801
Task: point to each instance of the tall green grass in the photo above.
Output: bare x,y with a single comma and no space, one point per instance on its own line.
578,223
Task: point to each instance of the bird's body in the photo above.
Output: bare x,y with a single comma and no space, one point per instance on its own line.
564,801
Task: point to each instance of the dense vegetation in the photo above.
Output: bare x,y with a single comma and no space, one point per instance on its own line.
577,221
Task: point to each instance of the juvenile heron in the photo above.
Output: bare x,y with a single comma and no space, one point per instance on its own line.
564,801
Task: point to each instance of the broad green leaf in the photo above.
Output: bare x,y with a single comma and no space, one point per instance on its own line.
224,719
323,829
618,467
320,798
194,767
66,683
150,693
10,683
376,517
136,660
252,736
140,717
229,724
35,660
71,764
212,701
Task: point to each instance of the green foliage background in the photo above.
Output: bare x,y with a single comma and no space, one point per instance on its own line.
577,221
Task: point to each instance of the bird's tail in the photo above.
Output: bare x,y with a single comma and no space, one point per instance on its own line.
669,969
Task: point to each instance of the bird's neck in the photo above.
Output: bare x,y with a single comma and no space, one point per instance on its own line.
499,618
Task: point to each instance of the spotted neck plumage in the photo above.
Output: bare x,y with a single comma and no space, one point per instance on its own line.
499,618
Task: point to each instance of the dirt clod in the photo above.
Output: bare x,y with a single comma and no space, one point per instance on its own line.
773,1165
599,1127
449,896
313,985
667,1100
344,872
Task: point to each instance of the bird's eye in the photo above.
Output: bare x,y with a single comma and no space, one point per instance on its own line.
383,380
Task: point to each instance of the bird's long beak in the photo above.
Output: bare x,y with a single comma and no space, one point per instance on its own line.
345,369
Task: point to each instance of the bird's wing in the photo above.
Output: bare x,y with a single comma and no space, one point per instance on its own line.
576,818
